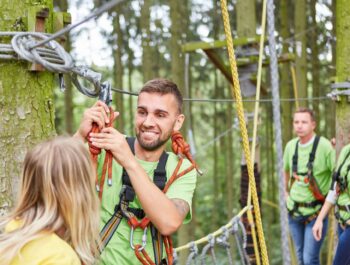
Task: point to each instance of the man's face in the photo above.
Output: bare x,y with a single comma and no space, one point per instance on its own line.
303,125
156,118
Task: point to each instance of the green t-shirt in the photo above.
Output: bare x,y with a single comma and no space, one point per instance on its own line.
118,250
344,197
322,170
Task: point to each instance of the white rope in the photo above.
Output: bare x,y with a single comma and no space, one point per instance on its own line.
278,133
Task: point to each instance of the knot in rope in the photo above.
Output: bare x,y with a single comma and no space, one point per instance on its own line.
193,253
209,246
181,148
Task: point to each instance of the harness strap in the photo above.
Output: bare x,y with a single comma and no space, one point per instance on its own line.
309,177
342,183
339,208
157,242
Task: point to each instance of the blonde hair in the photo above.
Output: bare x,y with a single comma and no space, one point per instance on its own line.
57,191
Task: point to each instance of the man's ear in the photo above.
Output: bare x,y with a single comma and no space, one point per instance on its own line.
314,125
179,121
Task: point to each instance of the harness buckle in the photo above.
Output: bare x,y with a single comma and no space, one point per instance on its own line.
144,239
347,208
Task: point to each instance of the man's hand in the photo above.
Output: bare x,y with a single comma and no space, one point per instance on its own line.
99,114
112,140
317,229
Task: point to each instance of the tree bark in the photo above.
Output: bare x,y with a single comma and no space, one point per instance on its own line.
316,87
342,70
300,49
286,89
26,102
146,41
118,69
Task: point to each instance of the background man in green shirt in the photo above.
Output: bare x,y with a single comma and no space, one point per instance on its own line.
308,164
158,115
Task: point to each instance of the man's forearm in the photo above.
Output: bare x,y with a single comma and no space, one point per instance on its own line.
165,214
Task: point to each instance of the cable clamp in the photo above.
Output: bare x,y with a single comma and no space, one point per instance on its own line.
339,89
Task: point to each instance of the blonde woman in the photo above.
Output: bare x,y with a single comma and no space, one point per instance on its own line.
56,219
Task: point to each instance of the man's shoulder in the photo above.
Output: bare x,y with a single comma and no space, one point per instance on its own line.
325,143
291,143
344,151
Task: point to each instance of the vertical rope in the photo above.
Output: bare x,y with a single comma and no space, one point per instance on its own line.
278,134
255,127
239,106
295,86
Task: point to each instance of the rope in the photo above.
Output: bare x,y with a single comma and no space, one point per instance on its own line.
221,238
193,254
241,243
278,134
215,234
255,127
222,241
206,248
41,48
239,106
295,86
107,164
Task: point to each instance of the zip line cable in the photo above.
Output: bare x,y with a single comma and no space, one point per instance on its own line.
223,100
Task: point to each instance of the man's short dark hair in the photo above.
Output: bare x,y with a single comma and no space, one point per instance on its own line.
306,110
164,86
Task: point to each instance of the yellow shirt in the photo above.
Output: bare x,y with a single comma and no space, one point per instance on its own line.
49,249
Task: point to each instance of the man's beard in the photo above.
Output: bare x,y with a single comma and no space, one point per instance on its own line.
153,145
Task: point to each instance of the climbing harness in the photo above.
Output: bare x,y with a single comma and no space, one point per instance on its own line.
341,187
136,217
308,179
342,182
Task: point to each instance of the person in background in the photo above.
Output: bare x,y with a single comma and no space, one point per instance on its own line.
308,164
340,197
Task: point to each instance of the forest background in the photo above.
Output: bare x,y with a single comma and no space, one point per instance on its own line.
141,40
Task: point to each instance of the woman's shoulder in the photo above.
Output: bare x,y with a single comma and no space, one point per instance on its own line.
47,249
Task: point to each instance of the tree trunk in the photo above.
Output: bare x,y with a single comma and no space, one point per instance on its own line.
118,69
146,40
26,101
331,106
177,73
316,87
286,89
68,92
343,70
300,49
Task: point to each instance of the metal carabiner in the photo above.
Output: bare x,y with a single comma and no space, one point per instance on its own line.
144,239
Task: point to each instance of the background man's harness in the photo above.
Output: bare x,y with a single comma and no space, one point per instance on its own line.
341,187
307,178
